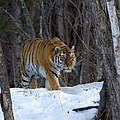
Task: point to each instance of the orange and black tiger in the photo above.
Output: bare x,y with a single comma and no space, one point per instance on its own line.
46,58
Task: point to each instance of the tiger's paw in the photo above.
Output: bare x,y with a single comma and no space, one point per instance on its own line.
56,88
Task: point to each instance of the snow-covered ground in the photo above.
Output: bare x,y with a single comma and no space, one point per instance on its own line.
41,104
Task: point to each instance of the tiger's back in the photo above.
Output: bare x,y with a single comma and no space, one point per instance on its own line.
33,48
42,58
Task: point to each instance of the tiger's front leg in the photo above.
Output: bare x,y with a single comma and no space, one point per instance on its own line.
53,82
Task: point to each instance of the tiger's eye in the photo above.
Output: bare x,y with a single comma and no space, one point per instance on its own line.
62,58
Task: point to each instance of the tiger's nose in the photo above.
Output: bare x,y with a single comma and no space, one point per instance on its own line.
69,64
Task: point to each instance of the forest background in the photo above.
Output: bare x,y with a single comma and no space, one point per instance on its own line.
78,23
83,23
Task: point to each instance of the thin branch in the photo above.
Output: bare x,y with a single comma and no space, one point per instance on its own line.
92,51
15,22
75,6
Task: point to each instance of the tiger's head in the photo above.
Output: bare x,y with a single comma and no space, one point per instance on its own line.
64,57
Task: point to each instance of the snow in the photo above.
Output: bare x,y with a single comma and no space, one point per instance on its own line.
41,104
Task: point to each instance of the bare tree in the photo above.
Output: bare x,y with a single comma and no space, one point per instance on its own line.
110,95
85,74
6,103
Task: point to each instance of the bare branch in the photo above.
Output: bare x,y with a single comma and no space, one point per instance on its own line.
15,22
87,47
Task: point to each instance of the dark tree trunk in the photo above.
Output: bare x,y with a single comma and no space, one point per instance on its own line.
16,40
85,68
29,23
6,103
59,19
66,28
110,94
91,67
45,18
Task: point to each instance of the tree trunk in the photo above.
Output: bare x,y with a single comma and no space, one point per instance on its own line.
59,15
29,23
110,96
6,103
16,39
45,10
66,28
88,51
85,74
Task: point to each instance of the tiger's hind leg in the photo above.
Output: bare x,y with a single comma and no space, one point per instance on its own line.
26,79
25,84
29,82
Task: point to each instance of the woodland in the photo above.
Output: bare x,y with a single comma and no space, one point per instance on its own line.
86,24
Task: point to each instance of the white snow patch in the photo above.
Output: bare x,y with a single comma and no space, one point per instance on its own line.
41,104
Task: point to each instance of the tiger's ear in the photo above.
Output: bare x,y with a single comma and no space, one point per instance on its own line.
57,49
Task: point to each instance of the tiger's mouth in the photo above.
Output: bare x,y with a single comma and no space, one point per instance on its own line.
68,70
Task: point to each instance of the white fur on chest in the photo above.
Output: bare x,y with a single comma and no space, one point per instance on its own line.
36,70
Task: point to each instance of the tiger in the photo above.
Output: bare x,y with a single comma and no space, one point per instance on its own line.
46,58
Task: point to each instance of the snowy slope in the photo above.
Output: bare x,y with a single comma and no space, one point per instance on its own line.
41,104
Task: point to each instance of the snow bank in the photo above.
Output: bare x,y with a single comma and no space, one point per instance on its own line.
41,104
